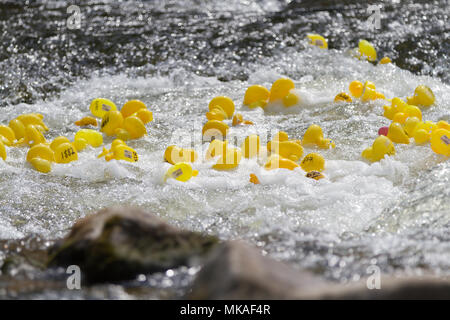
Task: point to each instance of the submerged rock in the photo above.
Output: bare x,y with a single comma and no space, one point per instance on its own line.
237,271
119,243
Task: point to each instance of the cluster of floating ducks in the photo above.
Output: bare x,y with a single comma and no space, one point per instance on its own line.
129,123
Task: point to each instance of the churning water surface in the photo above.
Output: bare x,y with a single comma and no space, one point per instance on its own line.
176,56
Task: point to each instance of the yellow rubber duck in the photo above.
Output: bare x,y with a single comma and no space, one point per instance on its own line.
280,89
277,162
86,137
423,96
86,121
342,97
286,149
174,154
111,121
119,151
7,135
314,136
228,160
397,134
313,162
356,88
255,93
215,129
223,102
181,171
2,151
381,146
41,157
131,107
238,119
216,148
65,153
100,106
440,141
410,125
317,40
316,175
385,60
366,50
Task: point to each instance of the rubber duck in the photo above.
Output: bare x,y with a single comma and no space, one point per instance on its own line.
251,145
410,125
440,141
286,149
280,88
216,148
100,106
145,115
291,99
65,153
443,124
119,151
225,103
381,146
134,126
33,119
174,154
396,133
214,129
239,119
41,150
86,121
314,136
216,113
356,88
383,131
397,105
400,117
255,93
281,136
131,107
423,96
369,92
342,97
2,151
313,162
277,162
181,171
18,128
90,137
57,141
32,137
385,60
228,160
366,50
317,40
316,175
422,131
413,111
111,121
7,135
254,179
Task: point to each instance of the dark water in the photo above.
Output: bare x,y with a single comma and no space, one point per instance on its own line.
39,55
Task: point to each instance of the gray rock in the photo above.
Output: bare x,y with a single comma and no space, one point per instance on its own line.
237,271
119,243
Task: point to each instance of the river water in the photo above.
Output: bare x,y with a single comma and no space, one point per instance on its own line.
176,56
